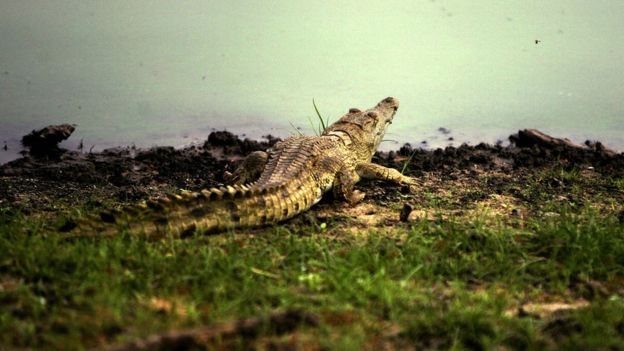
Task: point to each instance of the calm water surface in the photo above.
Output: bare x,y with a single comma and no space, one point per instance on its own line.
166,73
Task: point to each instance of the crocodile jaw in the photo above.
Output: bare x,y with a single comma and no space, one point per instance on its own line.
385,110
365,129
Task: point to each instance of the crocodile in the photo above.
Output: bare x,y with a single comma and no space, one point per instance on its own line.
273,186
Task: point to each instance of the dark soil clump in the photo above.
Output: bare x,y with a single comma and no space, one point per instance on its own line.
44,142
523,155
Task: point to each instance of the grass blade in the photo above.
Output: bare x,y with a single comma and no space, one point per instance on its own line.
295,128
323,124
408,161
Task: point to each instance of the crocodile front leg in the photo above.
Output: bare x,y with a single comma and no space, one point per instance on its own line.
250,169
375,171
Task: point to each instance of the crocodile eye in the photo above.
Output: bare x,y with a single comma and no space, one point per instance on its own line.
373,114
373,118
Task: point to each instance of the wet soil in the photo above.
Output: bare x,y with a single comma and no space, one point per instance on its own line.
480,173
125,175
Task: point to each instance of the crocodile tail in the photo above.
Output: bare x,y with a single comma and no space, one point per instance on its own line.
209,210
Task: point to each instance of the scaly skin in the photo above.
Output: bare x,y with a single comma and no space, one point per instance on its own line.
294,176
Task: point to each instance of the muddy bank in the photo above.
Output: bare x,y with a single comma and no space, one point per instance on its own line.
120,174
125,175
529,149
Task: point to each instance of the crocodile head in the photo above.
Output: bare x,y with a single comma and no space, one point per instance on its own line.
366,129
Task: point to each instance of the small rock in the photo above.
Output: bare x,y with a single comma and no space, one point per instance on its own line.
555,183
222,138
405,212
67,226
444,130
406,150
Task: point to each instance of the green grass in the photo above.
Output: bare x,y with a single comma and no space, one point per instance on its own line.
322,123
406,163
619,183
447,283
318,127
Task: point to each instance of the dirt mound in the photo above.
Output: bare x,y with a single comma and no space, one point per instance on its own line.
525,151
44,142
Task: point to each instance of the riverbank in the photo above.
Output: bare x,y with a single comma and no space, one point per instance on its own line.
516,247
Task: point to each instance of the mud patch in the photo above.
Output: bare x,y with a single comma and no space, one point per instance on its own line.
120,175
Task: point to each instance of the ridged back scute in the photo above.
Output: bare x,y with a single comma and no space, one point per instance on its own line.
291,158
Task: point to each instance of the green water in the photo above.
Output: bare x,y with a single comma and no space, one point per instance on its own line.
166,72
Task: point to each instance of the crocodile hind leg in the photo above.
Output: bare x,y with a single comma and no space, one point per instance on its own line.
336,175
250,169
344,182
375,171
344,186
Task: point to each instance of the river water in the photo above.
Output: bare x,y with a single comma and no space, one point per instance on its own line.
168,72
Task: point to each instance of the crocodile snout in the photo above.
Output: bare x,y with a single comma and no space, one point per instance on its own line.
391,101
